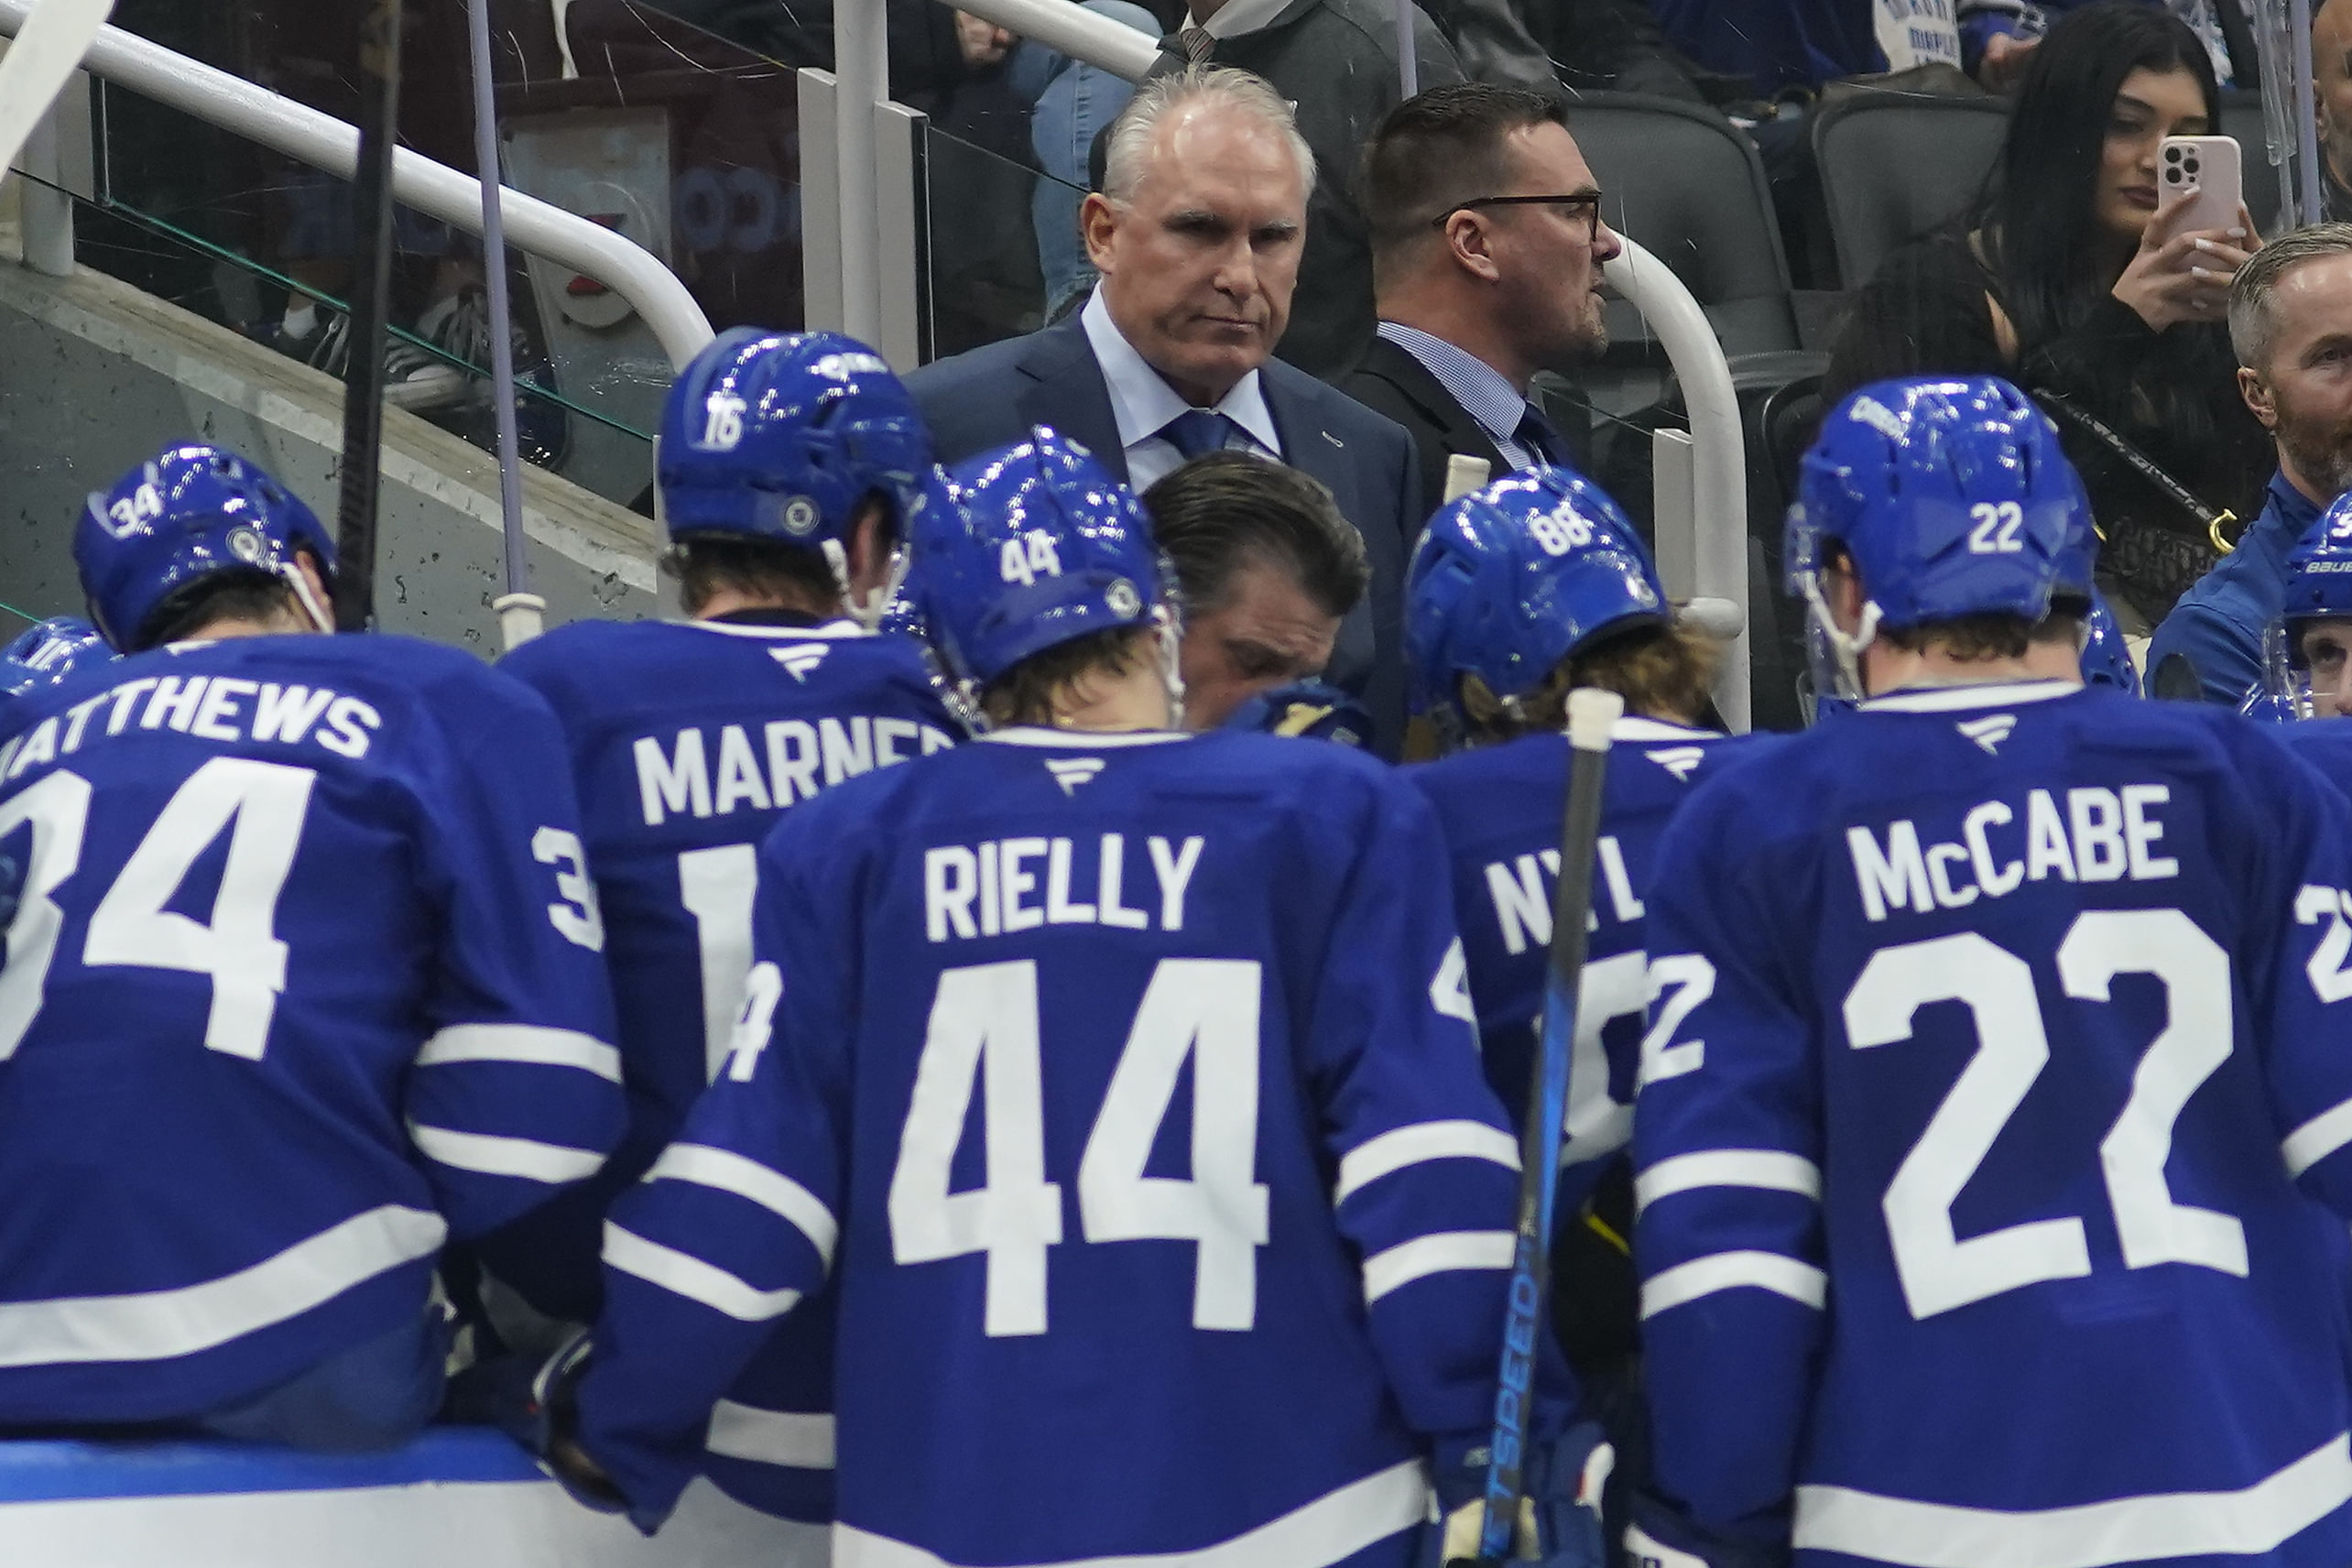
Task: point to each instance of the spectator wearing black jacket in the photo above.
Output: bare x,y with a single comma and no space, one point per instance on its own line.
2069,279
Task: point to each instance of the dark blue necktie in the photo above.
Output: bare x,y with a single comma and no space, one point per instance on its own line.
1196,431
1540,439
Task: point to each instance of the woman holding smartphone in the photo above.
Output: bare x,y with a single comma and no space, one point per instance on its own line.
2074,275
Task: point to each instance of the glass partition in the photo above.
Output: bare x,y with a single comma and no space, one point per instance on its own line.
685,143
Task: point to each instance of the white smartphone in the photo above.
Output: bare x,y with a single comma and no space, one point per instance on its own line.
2208,168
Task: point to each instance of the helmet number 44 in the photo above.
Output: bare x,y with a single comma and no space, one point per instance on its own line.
1995,530
1026,557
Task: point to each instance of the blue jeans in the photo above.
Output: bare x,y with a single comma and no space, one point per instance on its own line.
1072,103
378,1394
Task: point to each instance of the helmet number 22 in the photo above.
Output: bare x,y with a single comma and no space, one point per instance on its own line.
1995,530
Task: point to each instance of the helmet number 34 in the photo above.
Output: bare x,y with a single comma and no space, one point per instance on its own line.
1995,530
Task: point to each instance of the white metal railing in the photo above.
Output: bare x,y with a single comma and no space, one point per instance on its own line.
1702,550
305,135
1066,25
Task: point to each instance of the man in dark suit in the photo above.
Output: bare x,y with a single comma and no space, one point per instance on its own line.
1486,249
1196,234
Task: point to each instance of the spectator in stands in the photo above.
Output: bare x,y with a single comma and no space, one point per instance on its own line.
2066,279
2331,70
2291,320
1335,60
1267,569
1073,102
1196,233
1487,252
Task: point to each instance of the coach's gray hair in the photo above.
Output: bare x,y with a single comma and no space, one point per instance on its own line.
1130,135
2253,325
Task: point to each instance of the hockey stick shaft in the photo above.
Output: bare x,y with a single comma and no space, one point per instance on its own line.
42,57
1591,715
370,283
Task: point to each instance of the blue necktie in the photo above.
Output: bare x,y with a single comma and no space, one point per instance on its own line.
1196,431
1540,439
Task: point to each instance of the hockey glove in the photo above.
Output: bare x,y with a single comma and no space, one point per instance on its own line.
1662,1536
1559,1518
535,1406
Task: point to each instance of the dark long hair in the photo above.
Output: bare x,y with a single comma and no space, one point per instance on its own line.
2036,211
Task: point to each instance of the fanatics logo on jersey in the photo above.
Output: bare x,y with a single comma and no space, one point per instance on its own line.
1989,732
1679,760
1071,771
799,658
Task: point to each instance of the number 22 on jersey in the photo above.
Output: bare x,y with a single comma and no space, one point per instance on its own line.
1939,1271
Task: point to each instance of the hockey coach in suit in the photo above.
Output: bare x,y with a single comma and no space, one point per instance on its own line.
1197,234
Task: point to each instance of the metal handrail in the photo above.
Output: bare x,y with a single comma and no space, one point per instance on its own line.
303,134
1718,549
1066,25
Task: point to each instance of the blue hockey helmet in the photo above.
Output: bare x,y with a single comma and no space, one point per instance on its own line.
188,512
782,436
1952,497
2106,661
1029,547
46,652
1509,581
2305,658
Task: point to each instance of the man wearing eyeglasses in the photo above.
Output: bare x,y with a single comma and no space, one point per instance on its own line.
1487,252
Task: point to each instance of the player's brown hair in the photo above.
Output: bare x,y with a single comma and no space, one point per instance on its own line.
238,593
1992,635
791,574
1032,692
1662,672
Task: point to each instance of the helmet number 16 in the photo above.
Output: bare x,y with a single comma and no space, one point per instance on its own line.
1994,532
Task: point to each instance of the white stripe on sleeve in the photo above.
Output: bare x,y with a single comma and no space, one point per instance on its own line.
1767,1169
790,1438
528,1043
496,1156
1443,1253
1400,1146
2252,1521
151,1325
731,1172
2317,1138
691,1277
1770,1271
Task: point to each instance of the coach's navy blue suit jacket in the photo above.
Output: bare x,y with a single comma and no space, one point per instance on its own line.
992,395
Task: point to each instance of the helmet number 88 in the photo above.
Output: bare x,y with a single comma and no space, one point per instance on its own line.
1994,532
1559,535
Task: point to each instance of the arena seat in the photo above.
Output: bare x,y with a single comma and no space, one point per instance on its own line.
1896,165
1686,182
457,1497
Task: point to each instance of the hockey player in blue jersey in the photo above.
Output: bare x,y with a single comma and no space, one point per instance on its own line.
790,467
43,654
1119,1080
302,978
1516,594
1998,1047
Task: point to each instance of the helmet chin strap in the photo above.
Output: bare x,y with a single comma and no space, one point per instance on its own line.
1171,671
867,609
301,586
1847,646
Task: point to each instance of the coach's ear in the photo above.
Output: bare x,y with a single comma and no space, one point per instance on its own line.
2259,397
